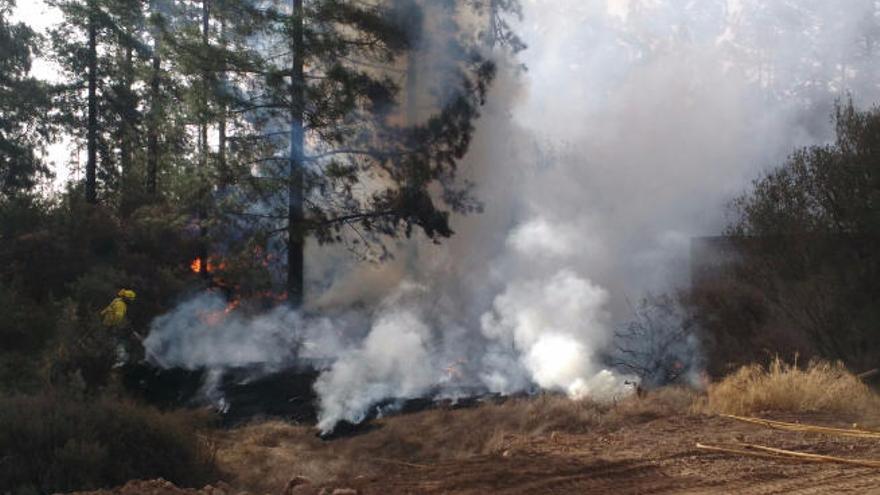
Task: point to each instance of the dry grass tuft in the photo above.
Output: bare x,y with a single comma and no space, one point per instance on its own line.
820,387
263,457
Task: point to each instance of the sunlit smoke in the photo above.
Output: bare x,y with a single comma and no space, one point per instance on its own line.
555,325
394,360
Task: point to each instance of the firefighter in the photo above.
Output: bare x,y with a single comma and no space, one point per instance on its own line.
114,314
113,317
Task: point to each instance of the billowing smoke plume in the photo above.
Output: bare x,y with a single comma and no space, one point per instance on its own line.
635,122
395,359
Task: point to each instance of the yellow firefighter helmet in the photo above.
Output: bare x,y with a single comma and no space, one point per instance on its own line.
127,294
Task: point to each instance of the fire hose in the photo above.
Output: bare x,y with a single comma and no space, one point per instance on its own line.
754,450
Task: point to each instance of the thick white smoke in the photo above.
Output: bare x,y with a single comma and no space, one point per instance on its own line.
204,333
394,360
633,126
555,325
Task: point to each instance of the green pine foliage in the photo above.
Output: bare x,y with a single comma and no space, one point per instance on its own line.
364,172
23,100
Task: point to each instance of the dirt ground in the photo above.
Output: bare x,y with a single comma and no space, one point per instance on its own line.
644,449
658,456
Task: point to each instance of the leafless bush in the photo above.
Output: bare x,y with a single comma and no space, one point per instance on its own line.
658,345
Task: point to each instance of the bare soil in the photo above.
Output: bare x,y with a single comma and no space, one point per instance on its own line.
637,451
658,456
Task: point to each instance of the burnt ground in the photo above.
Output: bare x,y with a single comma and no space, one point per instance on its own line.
248,393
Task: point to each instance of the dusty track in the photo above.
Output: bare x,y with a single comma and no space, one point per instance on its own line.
656,457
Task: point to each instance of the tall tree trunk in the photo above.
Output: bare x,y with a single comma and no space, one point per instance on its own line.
225,179
127,134
153,120
412,87
203,149
414,20
203,103
492,39
295,217
91,140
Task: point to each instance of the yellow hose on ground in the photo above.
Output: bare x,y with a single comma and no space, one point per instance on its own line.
753,450
782,425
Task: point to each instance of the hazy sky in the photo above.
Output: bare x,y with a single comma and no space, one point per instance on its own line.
40,17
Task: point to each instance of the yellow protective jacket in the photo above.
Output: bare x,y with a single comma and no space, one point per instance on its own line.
114,313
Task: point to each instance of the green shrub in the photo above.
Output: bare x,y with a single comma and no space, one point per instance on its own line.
25,330
52,443
82,355
799,271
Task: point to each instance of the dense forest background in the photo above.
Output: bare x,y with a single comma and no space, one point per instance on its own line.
195,117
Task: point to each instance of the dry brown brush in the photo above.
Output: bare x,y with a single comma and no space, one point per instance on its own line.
263,457
821,386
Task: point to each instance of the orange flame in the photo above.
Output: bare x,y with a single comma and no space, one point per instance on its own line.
231,306
273,296
210,266
215,317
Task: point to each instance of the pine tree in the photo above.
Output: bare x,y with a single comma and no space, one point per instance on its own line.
499,31
155,97
348,163
23,101
84,46
92,138
123,111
